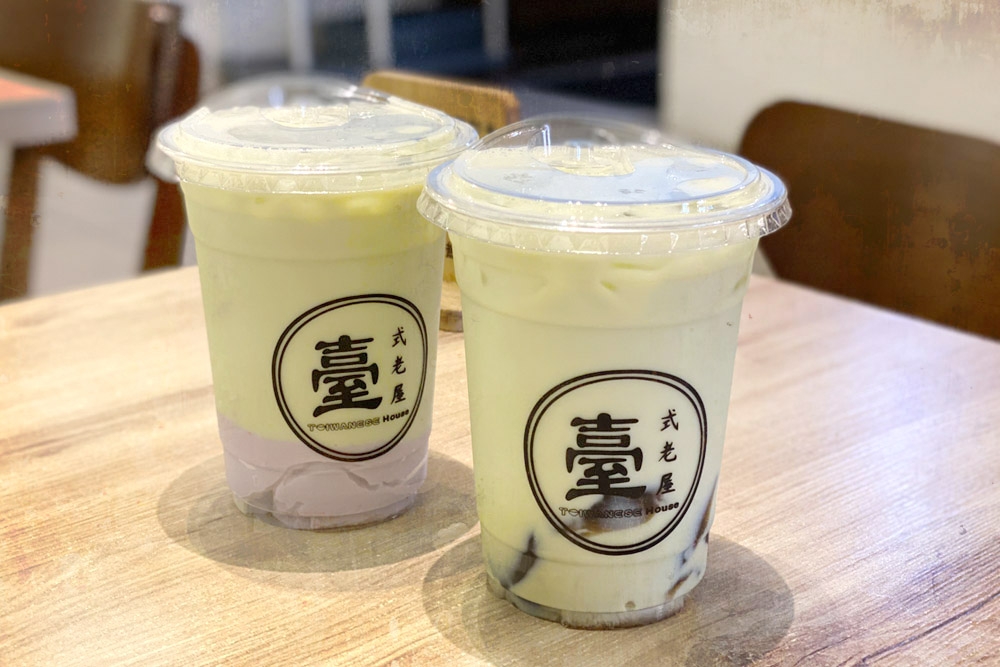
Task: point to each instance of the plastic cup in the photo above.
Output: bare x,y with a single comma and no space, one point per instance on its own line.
602,274
321,286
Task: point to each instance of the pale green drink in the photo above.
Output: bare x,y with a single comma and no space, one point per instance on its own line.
321,285
602,276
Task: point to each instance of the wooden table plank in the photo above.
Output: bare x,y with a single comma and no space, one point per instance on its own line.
858,515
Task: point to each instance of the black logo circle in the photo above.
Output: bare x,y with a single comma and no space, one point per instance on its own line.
590,392
335,308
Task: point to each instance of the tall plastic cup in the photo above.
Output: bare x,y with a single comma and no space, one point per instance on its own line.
602,274
321,286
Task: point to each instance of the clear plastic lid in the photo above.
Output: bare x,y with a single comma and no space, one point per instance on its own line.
567,184
312,135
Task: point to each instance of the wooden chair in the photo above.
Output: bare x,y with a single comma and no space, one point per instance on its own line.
484,107
130,71
899,216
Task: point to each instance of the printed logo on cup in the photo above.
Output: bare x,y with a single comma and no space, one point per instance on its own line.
349,374
614,458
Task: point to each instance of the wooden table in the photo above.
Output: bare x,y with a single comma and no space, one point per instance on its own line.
858,514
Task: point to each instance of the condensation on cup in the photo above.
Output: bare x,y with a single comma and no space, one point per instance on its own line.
602,273
321,285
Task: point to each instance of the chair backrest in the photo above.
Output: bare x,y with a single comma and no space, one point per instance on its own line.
899,216
103,50
130,70
486,108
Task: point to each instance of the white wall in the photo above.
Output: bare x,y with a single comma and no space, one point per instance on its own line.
235,30
934,63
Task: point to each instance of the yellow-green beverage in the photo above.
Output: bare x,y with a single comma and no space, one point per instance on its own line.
602,275
321,286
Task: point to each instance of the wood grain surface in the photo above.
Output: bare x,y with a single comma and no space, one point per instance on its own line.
858,513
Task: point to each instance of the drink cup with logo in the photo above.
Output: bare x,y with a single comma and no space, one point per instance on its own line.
321,286
602,274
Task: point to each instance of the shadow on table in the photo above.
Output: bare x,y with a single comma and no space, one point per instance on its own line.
740,611
197,512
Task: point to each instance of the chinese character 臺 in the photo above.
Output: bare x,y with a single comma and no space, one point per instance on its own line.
604,453
343,371
603,431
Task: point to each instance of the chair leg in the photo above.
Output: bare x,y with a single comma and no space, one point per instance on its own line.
165,240
21,219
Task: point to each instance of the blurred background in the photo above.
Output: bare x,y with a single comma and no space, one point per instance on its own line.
884,117
596,48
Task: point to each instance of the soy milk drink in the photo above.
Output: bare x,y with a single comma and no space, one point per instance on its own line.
602,275
321,286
